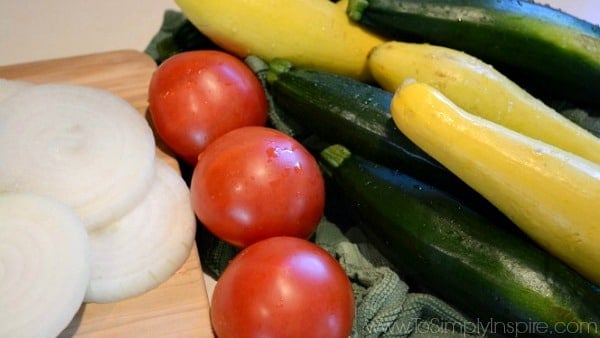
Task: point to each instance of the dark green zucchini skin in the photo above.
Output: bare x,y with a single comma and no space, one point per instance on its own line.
342,110
436,242
547,51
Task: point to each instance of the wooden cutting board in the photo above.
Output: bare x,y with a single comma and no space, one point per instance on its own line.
177,308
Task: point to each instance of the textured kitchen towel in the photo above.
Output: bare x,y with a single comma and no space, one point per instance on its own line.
384,305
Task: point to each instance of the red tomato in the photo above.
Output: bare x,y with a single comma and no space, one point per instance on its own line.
256,182
283,287
195,97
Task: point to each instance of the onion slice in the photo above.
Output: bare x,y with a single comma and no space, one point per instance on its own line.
84,146
10,87
146,246
44,265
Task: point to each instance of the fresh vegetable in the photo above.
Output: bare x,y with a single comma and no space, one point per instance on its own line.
256,182
88,149
64,149
283,287
276,119
343,110
83,146
312,33
197,96
548,49
44,265
551,194
10,87
481,90
448,249
583,118
145,247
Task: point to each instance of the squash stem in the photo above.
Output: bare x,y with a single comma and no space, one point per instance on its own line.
278,66
335,155
356,8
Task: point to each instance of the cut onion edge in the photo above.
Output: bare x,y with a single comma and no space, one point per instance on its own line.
44,265
146,246
84,146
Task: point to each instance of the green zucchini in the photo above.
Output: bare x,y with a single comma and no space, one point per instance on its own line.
342,110
543,49
502,281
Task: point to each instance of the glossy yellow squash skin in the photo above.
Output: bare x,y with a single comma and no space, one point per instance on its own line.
481,90
310,33
551,194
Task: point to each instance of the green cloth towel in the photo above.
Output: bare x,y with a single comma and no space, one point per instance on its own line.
384,305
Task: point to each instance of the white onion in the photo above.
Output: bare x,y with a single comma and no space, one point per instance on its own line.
44,265
10,87
146,246
84,146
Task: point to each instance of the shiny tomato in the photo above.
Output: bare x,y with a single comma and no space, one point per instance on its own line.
256,182
195,97
283,287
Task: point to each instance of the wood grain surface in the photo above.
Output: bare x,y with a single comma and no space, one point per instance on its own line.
179,307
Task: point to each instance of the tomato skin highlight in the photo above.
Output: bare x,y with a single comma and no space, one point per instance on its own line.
257,182
196,96
283,287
